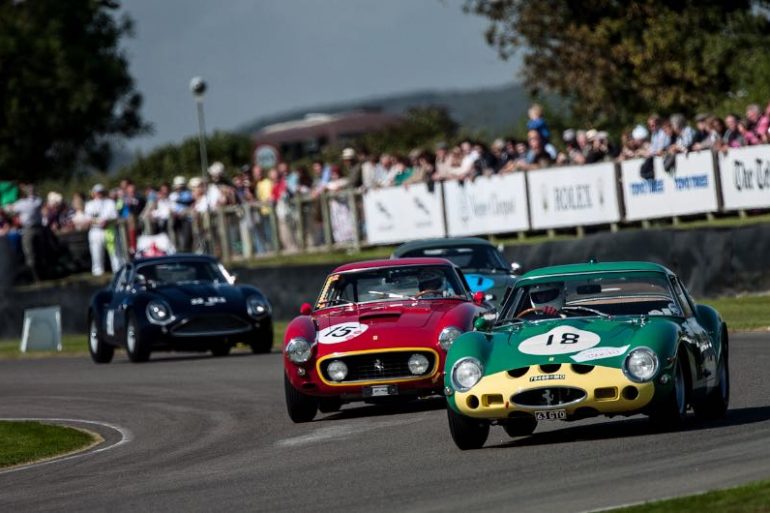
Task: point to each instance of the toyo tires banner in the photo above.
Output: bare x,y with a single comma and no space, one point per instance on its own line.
494,204
573,196
690,187
397,214
745,177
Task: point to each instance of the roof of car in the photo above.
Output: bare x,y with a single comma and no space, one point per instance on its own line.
401,262
174,258
593,267
439,243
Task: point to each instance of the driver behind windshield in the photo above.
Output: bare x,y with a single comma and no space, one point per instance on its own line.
547,299
430,282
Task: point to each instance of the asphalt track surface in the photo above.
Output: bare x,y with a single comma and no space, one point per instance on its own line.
200,433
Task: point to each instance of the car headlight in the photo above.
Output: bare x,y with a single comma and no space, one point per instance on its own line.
466,373
418,364
447,336
641,364
337,370
159,312
298,350
256,306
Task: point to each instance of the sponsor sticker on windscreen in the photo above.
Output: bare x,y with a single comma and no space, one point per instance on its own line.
560,340
343,332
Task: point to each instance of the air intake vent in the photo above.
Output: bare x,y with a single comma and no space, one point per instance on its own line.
550,368
582,369
551,396
517,373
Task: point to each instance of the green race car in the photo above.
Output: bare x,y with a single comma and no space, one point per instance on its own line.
581,340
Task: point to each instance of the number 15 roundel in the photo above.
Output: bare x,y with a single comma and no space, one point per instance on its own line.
341,332
560,340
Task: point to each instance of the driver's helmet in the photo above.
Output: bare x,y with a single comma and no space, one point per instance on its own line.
547,294
430,279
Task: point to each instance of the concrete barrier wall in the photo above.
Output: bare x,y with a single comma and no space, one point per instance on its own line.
711,261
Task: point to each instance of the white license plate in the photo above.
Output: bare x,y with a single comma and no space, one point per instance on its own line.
379,391
551,415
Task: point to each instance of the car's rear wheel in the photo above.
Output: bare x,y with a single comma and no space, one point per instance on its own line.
329,404
137,347
467,433
221,349
521,426
716,402
301,407
101,352
671,412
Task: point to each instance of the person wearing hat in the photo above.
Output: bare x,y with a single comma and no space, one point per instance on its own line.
351,169
29,209
102,211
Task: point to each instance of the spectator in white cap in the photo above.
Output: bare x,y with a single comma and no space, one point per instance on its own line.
102,212
219,192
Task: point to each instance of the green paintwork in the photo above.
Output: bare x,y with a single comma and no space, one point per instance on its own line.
585,268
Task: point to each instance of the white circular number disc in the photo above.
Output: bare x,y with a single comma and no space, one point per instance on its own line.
560,340
341,332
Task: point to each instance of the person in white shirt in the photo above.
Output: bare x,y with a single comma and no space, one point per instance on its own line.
101,210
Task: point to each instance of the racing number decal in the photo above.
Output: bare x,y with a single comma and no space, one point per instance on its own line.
341,332
560,340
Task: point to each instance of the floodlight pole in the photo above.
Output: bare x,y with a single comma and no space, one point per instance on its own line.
198,89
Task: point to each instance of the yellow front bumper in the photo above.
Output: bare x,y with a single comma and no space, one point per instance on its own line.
492,397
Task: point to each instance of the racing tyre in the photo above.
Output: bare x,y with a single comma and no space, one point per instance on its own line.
136,346
301,408
716,403
221,350
671,412
262,343
101,352
522,426
329,404
467,433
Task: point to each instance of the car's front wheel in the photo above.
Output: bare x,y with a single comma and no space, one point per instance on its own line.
137,347
221,349
671,412
101,352
467,433
262,342
522,426
301,407
716,402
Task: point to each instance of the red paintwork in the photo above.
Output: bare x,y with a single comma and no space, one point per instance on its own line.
394,324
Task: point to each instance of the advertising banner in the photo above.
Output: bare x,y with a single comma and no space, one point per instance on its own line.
745,175
573,196
495,204
688,188
397,214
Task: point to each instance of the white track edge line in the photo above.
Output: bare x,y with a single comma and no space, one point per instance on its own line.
125,437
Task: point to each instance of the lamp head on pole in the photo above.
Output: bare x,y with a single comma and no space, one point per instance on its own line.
198,87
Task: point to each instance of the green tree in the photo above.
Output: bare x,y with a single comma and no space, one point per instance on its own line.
615,61
165,162
65,89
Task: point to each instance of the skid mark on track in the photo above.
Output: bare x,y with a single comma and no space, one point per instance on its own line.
325,434
125,437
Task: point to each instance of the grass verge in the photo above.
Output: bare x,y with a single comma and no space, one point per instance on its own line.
25,442
752,498
743,312
77,345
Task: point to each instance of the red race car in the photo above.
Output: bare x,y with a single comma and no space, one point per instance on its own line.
379,329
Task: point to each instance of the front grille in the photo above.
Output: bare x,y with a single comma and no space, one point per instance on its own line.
216,324
379,366
549,396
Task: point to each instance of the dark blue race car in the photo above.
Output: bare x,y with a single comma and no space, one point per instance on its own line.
176,303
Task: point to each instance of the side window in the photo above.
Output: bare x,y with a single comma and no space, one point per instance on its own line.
464,281
681,297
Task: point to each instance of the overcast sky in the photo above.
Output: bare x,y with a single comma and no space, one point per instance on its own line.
262,57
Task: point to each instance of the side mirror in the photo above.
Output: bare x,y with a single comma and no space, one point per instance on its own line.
306,309
478,298
515,267
232,278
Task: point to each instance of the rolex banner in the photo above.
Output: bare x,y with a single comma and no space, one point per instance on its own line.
573,196
494,204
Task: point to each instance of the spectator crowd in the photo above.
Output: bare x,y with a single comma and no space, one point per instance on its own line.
168,217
